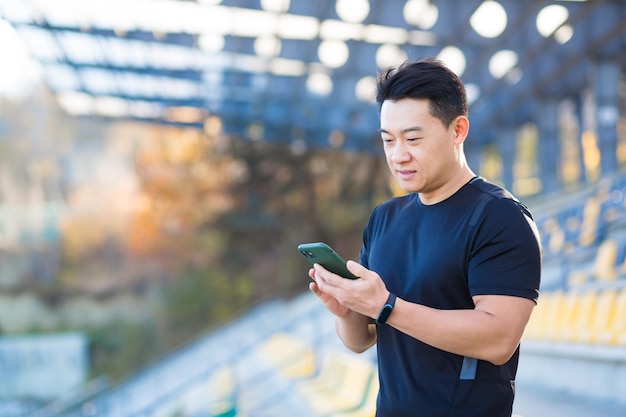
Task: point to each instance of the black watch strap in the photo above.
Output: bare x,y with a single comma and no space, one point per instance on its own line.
385,312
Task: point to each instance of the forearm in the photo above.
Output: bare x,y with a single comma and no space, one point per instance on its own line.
356,331
476,333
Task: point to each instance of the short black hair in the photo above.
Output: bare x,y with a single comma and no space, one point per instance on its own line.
425,79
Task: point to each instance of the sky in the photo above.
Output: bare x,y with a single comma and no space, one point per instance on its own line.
19,73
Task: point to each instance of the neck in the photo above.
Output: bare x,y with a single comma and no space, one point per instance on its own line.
458,180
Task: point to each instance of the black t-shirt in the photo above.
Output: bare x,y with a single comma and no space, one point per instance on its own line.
479,241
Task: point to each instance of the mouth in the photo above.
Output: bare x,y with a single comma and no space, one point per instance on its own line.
405,174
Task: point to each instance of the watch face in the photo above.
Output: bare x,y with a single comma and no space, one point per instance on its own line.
386,310
384,314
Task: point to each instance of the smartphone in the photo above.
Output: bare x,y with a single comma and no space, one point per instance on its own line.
324,255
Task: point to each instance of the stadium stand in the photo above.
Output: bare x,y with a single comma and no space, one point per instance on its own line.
576,339
282,358
584,235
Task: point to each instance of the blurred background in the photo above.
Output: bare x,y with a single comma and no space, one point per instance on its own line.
160,160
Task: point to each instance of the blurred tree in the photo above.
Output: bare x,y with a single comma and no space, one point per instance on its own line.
199,225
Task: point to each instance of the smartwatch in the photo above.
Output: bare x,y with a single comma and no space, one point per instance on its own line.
385,312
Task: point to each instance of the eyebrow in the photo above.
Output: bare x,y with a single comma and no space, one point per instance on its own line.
408,129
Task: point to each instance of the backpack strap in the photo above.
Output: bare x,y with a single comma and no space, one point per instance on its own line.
468,369
478,211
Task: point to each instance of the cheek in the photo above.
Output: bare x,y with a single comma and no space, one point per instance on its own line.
421,154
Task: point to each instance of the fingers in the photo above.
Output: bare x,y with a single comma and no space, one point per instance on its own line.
319,286
314,288
330,283
325,278
327,283
341,295
356,268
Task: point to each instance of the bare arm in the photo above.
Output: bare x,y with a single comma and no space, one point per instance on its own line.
356,331
491,331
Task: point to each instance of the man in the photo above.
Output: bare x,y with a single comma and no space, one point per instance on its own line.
448,274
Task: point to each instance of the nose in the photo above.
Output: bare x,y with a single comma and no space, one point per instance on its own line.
399,153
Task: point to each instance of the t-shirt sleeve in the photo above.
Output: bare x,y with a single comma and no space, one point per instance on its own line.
505,258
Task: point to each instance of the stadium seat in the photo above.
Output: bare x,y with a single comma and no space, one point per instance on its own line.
602,317
579,314
552,235
368,406
544,320
589,225
330,374
223,393
290,355
564,315
342,385
603,268
594,316
615,332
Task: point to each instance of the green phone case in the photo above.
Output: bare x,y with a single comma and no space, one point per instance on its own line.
324,255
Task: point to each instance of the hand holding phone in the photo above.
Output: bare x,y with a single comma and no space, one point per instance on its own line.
324,255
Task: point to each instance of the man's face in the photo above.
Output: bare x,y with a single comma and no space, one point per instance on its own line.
422,153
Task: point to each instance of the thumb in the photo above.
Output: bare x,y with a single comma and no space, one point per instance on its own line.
356,268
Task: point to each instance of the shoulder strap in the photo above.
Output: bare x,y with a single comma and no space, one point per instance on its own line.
478,211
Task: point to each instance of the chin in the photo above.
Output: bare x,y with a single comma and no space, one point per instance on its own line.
409,186
408,189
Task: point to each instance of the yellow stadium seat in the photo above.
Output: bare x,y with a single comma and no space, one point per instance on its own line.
368,406
539,317
547,322
580,314
602,318
330,393
223,393
615,332
603,268
589,225
330,374
290,355
564,315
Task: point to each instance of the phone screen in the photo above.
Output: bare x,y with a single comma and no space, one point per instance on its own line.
324,255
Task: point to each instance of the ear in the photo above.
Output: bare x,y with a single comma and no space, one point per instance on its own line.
461,129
